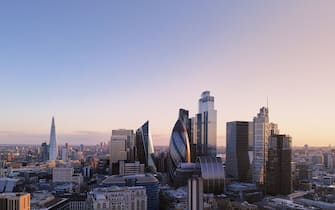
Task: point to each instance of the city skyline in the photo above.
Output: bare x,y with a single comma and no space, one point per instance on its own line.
105,66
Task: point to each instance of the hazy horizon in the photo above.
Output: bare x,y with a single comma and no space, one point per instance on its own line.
99,66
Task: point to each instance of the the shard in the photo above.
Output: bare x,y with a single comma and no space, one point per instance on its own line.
53,153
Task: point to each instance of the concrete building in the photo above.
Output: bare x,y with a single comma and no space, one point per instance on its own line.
148,181
62,174
126,198
15,201
262,131
195,193
131,168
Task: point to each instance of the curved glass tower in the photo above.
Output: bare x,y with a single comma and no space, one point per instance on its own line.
212,173
179,148
143,147
53,153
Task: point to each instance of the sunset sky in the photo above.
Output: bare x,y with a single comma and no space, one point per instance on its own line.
103,65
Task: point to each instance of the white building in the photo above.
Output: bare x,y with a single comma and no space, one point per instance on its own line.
126,198
262,132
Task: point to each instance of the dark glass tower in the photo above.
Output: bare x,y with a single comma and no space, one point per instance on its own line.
144,150
278,177
238,165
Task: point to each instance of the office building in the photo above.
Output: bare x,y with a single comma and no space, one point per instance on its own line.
262,131
44,152
238,162
15,201
278,179
212,174
62,174
128,137
53,150
205,126
148,181
144,149
195,193
126,198
130,168
179,148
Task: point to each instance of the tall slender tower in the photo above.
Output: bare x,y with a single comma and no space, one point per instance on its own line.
205,122
262,132
53,153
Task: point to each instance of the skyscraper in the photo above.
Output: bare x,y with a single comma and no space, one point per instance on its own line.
53,150
262,131
238,162
144,149
179,148
44,152
278,179
205,122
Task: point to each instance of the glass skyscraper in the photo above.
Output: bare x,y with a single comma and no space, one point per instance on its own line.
179,148
238,162
53,150
205,122
278,178
144,149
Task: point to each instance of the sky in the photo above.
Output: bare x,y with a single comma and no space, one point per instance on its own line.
102,65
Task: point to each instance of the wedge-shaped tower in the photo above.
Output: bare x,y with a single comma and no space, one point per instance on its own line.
144,149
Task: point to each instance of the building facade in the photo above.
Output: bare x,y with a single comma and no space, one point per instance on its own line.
179,147
205,123
279,180
144,149
15,201
261,134
195,193
238,162
53,149
126,198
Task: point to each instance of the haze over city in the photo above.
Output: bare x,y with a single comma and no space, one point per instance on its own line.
101,66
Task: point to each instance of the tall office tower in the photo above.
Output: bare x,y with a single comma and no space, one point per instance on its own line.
205,122
179,148
44,152
53,150
238,162
278,179
195,193
128,137
262,131
144,149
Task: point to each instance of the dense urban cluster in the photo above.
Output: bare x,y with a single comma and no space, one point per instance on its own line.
258,169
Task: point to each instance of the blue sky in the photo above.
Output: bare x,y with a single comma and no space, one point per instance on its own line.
98,66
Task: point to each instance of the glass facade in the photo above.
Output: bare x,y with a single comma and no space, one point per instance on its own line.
179,148
206,126
144,150
212,173
53,149
237,158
